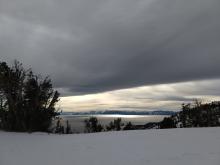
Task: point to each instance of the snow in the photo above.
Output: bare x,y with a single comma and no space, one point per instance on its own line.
193,146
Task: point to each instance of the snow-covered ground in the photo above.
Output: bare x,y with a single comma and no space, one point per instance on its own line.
195,146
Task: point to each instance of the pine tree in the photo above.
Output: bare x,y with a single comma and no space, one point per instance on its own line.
92,125
68,127
128,126
27,102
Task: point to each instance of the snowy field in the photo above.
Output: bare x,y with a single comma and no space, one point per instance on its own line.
195,146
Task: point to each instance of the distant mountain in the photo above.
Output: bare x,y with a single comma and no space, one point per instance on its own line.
118,112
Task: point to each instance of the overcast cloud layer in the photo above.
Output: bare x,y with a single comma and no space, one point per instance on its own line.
91,46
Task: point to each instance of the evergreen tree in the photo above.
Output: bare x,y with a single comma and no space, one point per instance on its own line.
128,126
92,125
167,122
27,102
110,127
117,123
195,115
58,127
68,127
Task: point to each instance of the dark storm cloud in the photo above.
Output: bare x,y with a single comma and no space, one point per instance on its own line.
90,46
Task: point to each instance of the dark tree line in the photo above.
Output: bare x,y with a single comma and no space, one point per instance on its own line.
191,115
92,125
115,125
194,115
27,101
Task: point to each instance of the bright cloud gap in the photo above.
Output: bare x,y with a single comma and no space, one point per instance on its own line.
147,98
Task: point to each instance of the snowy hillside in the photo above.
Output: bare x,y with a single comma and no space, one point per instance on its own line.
196,146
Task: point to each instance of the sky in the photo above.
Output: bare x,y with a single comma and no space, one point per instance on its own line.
117,54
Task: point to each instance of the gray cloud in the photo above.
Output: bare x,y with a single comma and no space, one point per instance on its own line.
168,98
90,46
